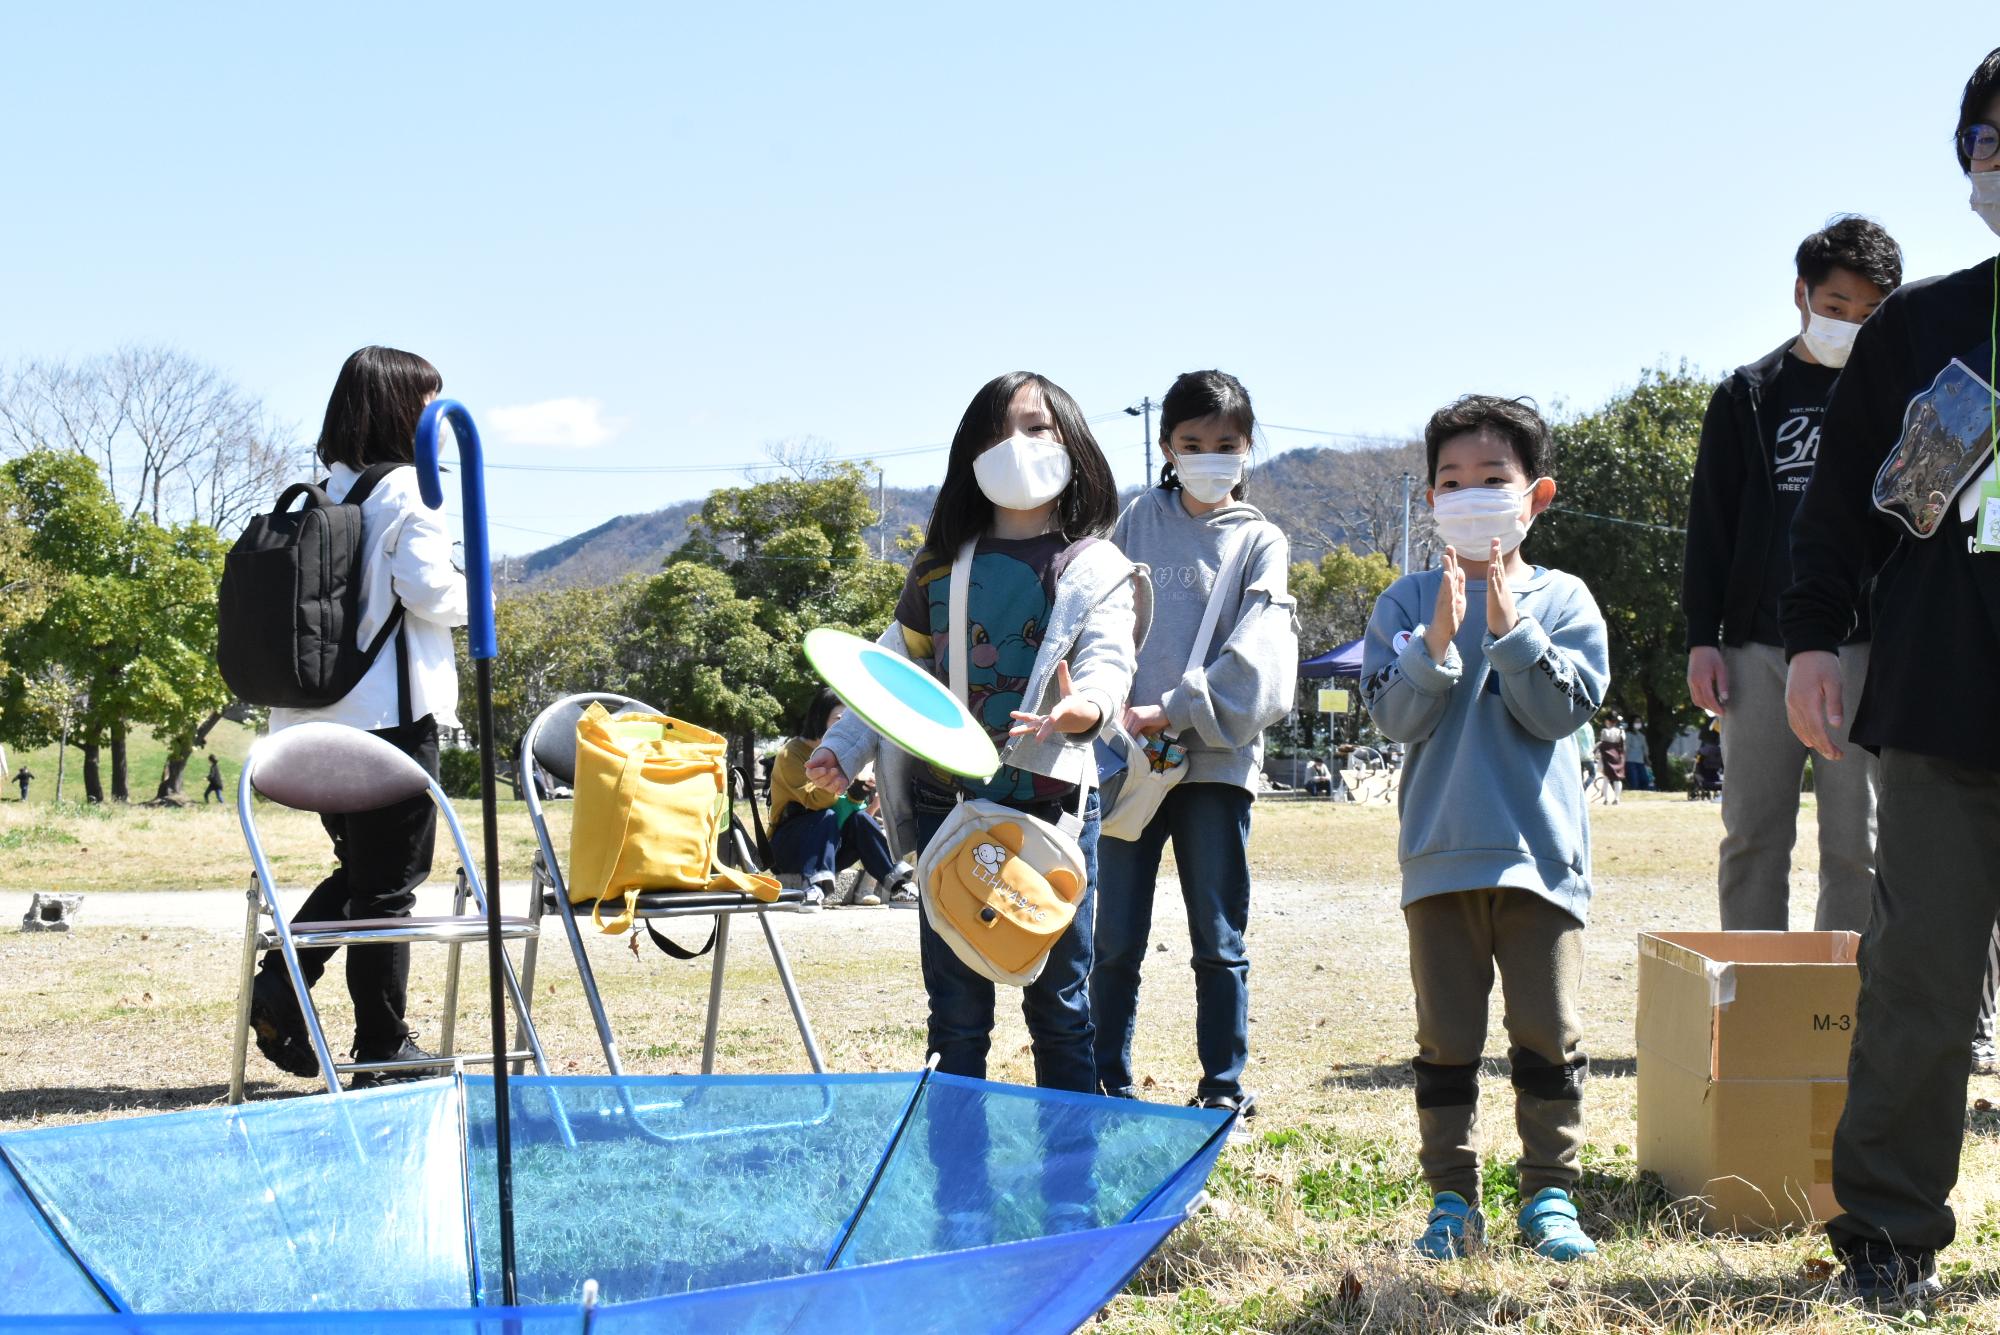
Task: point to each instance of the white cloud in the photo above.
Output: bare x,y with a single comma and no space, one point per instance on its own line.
563,424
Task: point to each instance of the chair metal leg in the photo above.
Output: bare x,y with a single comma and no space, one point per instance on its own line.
241,1052
448,1027
530,949
715,993
792,994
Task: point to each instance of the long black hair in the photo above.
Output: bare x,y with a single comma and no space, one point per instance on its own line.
813,722
1087,506
372,415
1199,394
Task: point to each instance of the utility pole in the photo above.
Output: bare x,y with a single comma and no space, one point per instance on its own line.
881,515
1407,479
1145,408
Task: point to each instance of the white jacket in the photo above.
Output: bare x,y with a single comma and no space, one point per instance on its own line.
405,556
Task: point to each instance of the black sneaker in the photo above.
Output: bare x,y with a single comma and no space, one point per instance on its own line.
1884,1277
279,1028
401,1075
1243,1103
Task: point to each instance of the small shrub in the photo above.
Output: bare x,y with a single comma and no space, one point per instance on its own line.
458,772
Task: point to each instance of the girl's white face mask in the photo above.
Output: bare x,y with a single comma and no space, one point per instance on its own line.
1471,518
1829,340
1022,472
1209,478
1986,198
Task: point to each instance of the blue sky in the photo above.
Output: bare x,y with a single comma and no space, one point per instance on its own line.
665,235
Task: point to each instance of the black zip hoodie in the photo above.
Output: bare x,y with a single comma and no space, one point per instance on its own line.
1936,659
1731,507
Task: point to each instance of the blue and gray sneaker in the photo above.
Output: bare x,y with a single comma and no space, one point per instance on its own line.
1549,1227
1456,1227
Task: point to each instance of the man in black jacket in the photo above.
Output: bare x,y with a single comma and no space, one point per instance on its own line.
1915,402
1759,443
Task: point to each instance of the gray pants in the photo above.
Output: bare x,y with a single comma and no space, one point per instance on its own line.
1762,766
1455,941
1923,962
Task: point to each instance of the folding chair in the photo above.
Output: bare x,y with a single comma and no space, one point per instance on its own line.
330,769
551,743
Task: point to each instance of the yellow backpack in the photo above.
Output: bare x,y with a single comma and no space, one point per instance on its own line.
652,802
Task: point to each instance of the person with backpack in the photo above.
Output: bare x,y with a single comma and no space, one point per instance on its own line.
411,596
1218,567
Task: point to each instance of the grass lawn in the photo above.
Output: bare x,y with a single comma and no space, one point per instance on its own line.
1310,1220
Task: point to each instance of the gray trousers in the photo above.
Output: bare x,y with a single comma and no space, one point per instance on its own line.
1923,964
1455,942
1762,766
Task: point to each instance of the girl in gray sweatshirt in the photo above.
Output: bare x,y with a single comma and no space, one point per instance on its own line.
1240,682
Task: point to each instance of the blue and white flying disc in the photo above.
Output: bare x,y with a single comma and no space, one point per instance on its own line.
904,703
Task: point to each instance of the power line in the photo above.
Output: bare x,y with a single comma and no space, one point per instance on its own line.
1614,519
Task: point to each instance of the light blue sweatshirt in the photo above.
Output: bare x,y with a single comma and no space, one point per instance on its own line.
1491,795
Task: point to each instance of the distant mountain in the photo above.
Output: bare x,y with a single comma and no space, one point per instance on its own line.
1320,497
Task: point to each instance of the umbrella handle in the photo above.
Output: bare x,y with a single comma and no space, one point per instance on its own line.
480,641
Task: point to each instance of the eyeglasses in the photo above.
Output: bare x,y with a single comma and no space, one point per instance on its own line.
1979,141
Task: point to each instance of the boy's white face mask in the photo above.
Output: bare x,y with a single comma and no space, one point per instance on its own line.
1022,472
1471,518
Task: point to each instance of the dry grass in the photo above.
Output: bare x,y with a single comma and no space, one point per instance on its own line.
1311,1219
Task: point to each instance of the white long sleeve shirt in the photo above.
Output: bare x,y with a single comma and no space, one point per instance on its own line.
406,556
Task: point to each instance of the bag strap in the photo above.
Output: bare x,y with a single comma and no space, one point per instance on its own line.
668,946
1228,575
364,485
955,632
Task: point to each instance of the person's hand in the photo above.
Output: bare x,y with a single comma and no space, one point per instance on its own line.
1145,720
1500,614
825,772
1073,713
1450,610
1813,700
1708,679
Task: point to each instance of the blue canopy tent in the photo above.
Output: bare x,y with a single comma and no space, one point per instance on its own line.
1341,661
914,1202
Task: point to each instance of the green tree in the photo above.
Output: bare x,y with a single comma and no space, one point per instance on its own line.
552,642
25,582
1622,476
718,634
1336,594
130,617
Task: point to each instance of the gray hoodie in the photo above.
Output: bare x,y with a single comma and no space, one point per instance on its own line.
1491,795
1103,608
1250,670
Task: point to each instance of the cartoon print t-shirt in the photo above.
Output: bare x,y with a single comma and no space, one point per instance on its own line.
1007,609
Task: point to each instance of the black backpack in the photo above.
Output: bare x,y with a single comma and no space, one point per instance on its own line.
289,610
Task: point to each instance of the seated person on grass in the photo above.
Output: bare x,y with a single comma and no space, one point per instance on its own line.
1486,669
817,834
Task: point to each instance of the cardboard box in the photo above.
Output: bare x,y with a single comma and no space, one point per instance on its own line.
1743,1040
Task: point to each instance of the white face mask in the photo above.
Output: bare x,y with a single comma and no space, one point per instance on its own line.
1471,518
1022,472
1829,340
1986,197
1209,478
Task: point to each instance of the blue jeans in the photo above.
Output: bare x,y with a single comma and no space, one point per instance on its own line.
1210,826
816,843
1056,1005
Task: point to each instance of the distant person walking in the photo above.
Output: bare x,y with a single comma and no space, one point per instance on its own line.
24,776
214,788
1611,760
1759,446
